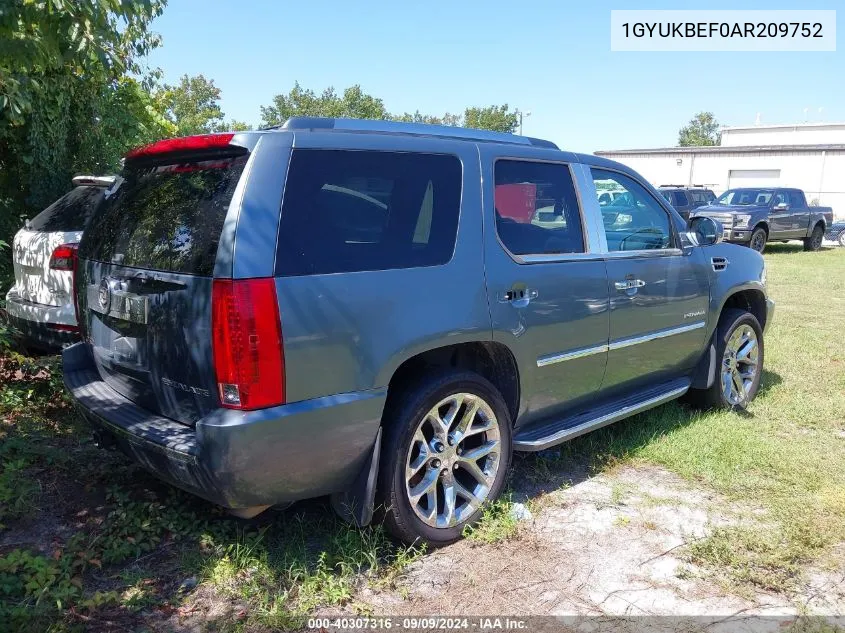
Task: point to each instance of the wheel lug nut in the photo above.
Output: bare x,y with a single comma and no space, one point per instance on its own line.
451,441
455,467
444,472
438,447
435,463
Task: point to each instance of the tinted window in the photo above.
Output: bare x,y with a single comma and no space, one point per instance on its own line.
349,211
635,221
696,197
796,199
71,212
166,217
780,198
681,199
536,208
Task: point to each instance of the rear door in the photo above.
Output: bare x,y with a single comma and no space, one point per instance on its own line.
60,223
800,213
546,285
780,220
145,278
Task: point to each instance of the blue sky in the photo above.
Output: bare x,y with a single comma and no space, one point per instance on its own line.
550,58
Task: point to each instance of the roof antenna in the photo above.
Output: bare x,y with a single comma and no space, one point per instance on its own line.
757,119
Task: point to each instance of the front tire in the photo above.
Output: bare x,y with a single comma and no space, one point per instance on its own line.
814,242
447,453
739,357
758,239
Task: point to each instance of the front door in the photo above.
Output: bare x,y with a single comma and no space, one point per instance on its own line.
547,292
659,294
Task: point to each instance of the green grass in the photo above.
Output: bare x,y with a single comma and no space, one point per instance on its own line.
497,523
785,455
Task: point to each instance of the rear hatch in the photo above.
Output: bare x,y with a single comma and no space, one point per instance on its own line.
145,277
60,223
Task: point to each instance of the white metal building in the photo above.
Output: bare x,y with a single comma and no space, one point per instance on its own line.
810,156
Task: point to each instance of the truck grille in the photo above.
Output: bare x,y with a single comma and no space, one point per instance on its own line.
726,219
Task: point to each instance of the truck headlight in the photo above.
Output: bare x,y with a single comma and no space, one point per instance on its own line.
741,220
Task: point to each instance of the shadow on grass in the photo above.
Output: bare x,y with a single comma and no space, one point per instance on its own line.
576,461
791,248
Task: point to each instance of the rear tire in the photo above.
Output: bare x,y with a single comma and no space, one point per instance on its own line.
814,242
758,239
430,485
739,363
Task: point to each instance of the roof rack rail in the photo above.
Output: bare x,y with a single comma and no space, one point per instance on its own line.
399,127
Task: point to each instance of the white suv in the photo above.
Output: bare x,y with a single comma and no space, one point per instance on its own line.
40,303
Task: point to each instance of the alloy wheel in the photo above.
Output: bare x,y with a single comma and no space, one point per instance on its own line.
758,241
453,460
740,365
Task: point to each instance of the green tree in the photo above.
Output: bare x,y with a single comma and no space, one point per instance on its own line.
192,106
353,103
703,129
73,96
496,118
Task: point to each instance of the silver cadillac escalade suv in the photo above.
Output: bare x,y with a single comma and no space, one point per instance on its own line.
384,312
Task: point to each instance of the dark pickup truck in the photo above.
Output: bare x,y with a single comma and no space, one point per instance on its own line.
754,216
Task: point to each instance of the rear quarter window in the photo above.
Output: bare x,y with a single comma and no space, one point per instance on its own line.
166,217
71,212
347,211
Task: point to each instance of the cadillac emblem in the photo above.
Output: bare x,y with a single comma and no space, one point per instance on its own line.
104,295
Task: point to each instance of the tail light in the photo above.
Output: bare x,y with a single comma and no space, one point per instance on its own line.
247,343
64,257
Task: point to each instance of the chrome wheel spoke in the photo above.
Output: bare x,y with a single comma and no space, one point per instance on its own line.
449,501
738,384
427,485
466,420
477,453
475,470
473,501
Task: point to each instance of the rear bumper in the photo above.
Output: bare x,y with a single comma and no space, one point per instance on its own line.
43,326
232,458
47,337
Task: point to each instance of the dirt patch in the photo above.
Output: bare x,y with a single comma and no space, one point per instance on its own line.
607,545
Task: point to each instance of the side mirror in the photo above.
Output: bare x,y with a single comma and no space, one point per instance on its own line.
781,206
704,231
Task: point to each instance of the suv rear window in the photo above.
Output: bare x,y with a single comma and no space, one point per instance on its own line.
71,212
166,217
347,211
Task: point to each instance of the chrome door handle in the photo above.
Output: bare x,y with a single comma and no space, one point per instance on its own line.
519,298
629,284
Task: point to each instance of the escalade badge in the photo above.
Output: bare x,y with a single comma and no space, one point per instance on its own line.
104,295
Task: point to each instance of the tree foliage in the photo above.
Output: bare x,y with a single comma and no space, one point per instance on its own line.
192,106
496,118
72,96
703,129
356,104
353,103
